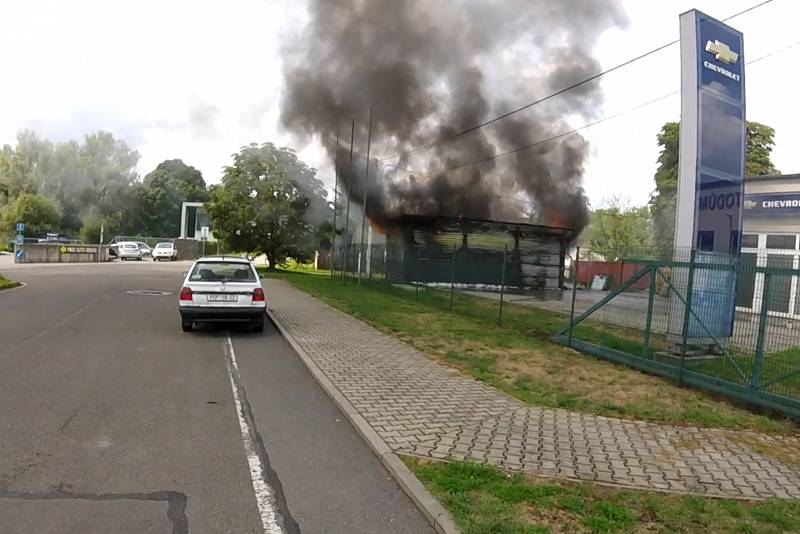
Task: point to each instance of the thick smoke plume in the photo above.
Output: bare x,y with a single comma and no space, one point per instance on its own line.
432,68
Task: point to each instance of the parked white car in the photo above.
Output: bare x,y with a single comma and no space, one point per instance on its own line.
222,289
165,251
128,250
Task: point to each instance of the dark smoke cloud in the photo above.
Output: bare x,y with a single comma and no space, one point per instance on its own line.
431,68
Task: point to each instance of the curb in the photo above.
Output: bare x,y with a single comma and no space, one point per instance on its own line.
10,289
433,511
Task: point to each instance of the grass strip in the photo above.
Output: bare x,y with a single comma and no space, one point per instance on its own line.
487,500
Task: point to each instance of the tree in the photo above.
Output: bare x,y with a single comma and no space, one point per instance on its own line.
39,214
760,140
161,195
617,228
262,203
94,177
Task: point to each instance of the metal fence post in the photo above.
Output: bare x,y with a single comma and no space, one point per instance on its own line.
686,315
502,285
416,275
651,295
453,275
755,380
574,293
386,263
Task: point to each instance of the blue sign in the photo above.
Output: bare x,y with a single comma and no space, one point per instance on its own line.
20,228
20,239
711,174
772,204
20,254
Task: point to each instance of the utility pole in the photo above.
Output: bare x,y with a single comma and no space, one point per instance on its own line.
335,197
364,197
347,214
100,246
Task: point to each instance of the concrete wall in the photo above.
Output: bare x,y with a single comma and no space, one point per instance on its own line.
60,253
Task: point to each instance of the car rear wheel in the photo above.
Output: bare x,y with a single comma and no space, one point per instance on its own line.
187,325
258,325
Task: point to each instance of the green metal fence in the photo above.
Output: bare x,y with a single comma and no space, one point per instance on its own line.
752,355
495,272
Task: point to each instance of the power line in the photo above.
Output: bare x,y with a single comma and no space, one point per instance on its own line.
778,51
583,127
563,90
573,130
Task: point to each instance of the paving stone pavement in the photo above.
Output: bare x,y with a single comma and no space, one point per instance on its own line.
422,408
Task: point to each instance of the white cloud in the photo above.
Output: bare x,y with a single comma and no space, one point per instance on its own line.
198,79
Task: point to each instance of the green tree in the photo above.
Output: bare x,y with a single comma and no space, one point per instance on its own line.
759,143
94,177
162,193
39,214
617,228
261,205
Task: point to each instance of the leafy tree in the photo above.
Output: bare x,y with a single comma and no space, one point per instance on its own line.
39,214
162,193
23,170
93,177
262,203
618,228
759,143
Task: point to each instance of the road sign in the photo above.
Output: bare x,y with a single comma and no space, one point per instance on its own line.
204,232
20,240
20,254
20,228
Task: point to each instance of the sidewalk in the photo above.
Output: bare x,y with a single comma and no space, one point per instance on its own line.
421,408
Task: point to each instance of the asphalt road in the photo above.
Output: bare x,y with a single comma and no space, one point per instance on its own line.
113,420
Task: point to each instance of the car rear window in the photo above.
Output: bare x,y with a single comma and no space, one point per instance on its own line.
164,245
208,271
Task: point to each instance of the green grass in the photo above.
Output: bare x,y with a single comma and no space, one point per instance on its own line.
780,371
520,358
5,283
486,500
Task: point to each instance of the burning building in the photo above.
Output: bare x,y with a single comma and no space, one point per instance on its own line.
526,258
435,72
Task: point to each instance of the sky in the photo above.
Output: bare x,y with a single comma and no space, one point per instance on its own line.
198,79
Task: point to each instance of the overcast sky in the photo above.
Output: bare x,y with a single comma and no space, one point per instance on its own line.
197,79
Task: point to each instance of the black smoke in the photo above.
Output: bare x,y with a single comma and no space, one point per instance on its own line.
433,68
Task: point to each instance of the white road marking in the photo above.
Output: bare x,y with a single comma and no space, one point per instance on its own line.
265,496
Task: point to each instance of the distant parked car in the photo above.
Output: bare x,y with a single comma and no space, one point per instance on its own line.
54,238
165,251
145,248
128,250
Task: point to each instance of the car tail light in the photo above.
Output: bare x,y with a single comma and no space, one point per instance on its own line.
258,295
186,293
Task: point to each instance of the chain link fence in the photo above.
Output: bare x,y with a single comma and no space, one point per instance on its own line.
730,325
737,335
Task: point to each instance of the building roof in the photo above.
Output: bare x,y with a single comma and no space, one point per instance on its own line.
773,177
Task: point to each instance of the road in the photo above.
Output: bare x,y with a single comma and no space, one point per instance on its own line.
113,420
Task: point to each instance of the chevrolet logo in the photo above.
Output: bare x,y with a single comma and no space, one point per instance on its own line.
750,204
722,52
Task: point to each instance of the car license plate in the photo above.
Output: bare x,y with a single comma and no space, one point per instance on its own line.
222,298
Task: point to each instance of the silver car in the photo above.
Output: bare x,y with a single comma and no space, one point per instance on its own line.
128,250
